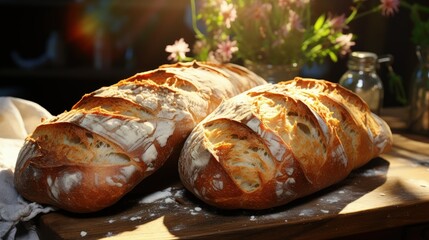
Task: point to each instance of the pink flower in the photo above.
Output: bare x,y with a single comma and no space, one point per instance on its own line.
291,3
225,50
345,42
294,21
338,23
178,50
389,7
301,3
199,45
282,33
259,10
228,12
283,3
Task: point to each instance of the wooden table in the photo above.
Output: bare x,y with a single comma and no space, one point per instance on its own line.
390,192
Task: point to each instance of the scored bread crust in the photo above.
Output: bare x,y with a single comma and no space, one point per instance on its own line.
279,142
86,159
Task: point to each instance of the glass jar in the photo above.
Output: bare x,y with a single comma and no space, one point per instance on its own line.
361,78
274,73
419,93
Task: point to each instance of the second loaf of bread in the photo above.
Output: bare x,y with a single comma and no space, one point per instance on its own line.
277,143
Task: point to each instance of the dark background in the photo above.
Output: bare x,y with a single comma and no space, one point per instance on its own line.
142,28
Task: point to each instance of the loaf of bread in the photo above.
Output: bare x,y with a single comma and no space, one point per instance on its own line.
86,159
276,143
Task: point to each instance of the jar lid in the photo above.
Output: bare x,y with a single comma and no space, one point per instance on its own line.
363,60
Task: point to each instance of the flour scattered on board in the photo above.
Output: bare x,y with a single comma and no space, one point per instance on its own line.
306,212
373,173
83,233
333,199
167,196
135,218
157,196
195,210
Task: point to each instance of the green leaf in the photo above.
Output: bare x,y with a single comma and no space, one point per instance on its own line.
316,48
333,56
319,22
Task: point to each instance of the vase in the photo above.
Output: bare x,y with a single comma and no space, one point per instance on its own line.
419,93
273,73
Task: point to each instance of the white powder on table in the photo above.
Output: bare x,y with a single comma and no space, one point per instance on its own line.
157,196
83,233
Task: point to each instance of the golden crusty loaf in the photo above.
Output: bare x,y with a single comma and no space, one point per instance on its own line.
86,159
276,143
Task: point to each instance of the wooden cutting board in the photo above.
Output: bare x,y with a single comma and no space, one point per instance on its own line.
390,191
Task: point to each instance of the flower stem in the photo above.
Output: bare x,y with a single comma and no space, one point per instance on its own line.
352,15
194,20
373,10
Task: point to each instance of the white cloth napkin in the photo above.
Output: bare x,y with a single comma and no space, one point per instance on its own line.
18,118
